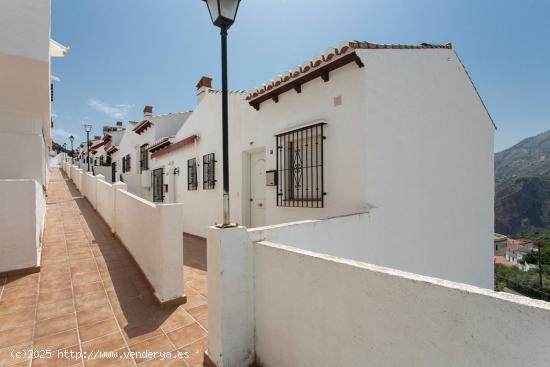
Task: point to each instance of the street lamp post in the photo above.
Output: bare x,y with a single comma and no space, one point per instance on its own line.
71,138
223,14
88,128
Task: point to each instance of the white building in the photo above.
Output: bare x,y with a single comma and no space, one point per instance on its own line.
25,128
130,160
396,131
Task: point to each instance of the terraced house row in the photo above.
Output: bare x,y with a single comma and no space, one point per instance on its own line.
352,176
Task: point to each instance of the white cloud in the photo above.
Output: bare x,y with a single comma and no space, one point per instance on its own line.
62,133
119,111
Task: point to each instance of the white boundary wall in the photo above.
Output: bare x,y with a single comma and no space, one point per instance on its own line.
152,233
284,306
21,223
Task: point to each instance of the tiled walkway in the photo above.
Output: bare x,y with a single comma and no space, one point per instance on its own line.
89,296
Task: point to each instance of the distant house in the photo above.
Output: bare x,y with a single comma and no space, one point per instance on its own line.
516,251
500,243
130,159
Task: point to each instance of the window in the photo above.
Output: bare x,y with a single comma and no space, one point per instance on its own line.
143,158
300,173
208,171
126,163
192,182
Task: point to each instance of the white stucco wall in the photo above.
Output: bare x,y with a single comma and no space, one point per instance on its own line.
89,188
21,223
106,205
25,26
358,312
344,147
429,162
205,121
152,233
23,147
25,88
318,310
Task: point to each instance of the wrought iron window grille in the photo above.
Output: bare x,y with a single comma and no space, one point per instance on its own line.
144,158
208,171
300,167
192,181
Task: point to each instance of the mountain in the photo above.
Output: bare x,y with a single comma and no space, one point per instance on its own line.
522,186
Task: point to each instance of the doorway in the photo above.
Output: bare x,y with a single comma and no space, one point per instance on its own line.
257,189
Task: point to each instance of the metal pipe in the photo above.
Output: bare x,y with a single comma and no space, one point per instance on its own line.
225,133
88,149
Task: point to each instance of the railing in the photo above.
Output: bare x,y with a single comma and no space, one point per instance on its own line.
525,289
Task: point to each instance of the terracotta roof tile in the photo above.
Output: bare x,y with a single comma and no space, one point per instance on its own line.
329,56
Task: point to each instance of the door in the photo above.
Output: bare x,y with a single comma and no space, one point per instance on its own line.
158,185
257,189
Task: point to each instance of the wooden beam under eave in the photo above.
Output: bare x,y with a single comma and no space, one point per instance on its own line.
298,88
275,97
358,61
256,105
325,75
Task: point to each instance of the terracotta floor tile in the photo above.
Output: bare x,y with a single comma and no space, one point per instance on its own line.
196,352
194,301
55,296
22,281
55,325
88,277
22,334
14,293
204,323
157,344
93,315
12,320
51,310
91,300
200,312
57,341
174,319
83,289
174,362
187,335
7,308
52,284
98,329
141,333
114,360
107,343
14,354
61,357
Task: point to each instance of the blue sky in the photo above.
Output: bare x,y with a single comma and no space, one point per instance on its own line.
125,54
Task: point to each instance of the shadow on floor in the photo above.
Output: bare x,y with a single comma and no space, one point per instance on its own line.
129,291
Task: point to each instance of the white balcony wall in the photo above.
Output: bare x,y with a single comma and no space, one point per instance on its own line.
151,233
21,222
106,201
89,188
340,312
